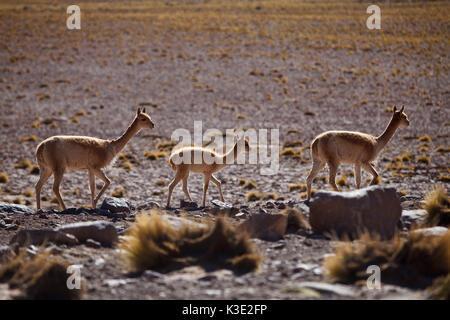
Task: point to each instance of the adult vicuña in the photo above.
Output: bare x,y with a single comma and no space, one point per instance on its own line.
183,161
58,153
335,147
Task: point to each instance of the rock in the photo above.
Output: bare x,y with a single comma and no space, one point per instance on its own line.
11,226
432,232
410,217
222,207
115,205
93,244
265,225
14,208
4,250
177,222
40,236
375,209
148,204
339,289
101,231
150,275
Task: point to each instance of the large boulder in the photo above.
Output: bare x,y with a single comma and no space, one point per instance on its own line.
14,208
375,209
101,231
40,236
264,225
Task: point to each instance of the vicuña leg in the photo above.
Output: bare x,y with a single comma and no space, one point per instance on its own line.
358,175
178,176
205,188
317,166
219,186
185,186
99,173
45,174
333,166
373,172
58,174
92,187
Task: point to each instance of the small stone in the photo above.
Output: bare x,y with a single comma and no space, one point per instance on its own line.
148,204
11,226
149,274
339,289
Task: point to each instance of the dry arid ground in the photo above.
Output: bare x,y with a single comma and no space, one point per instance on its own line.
297,66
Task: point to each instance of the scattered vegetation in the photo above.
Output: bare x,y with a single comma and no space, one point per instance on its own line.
297,186
118,193
28,139
440,289
23,164
165,146
155,155
437,206
39,276
424,159
410,262
4,177
253,196
424,139
249,185
152,242
296,219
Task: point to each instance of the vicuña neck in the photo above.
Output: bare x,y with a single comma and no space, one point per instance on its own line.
387,134
122,141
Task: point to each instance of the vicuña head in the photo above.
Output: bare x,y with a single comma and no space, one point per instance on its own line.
360,149
58,153
183,161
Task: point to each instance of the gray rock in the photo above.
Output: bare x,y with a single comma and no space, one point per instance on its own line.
432,232
265,225
40,236
14,208
374,209
188,205
222,207
410,217
101,231
149,204
116,205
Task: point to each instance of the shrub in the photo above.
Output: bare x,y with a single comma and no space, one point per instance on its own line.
253,196
38,277
411,262
4,177
437,206
296,219
152,242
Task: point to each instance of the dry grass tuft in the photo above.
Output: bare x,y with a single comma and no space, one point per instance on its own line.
423,159
28,139
440,289
23,164
155,155
437,206
253,196
118,193
34,169
411,262
4,177
296,219
165,146
249,185
152,242
424,139
38,277
297,186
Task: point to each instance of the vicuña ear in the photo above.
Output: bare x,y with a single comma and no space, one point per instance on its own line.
138,110
143,110
403,108
395,108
